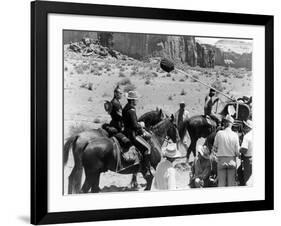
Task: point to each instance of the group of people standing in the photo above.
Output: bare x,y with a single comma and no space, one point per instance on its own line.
216,167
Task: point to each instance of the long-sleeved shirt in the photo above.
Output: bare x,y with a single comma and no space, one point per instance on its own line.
165,176
226,143
116,114
131,125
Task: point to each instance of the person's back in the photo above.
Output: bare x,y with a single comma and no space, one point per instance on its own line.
164,178
227,143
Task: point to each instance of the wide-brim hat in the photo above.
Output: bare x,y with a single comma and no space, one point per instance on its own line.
229,119
171,151
203,150
248,123
132,95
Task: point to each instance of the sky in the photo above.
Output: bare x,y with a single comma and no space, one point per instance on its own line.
212,41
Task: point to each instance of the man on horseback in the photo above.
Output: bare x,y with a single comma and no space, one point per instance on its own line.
210,101
133,130
116,110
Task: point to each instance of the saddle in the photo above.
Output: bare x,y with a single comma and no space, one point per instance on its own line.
211,121
128,161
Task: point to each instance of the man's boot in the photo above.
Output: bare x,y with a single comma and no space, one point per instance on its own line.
148,167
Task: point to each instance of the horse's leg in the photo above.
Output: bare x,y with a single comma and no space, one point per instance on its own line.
94,181
74,182
134,182
86,186
148,180
192,147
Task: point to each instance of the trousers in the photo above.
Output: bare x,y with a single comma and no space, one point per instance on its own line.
226,171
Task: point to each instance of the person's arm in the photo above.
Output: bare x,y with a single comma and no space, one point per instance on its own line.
171,179
244,146
237,146
207,99
217,99
186,115
133,118
215,146
118,109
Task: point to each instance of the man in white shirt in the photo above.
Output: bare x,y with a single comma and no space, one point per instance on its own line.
246,150
226,147
181,115
165,174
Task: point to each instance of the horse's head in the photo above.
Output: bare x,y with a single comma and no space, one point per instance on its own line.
166,128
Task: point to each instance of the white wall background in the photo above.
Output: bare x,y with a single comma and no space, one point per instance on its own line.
15,111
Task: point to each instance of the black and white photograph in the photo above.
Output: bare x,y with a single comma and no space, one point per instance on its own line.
152,112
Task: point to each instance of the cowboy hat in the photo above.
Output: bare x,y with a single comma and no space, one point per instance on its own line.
132,95
182,103
229,119
248,123
203,150
171,151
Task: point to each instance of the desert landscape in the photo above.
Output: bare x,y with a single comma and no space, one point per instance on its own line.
90,77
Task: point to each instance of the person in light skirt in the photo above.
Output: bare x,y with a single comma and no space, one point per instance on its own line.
165,174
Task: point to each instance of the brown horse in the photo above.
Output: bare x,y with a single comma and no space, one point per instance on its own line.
100,155
79,141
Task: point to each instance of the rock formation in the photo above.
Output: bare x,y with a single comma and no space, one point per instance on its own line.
181,49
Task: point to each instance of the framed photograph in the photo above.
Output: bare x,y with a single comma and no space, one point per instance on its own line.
145,112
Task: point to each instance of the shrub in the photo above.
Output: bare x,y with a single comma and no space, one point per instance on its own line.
182,80
218,85
105,95
170,97
147,81
129,87
97,120
121,74
78,128
168,75
124,81
183,92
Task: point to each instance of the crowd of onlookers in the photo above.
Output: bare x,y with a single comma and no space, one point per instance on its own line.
227,164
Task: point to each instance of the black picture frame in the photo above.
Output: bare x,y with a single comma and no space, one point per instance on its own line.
39,112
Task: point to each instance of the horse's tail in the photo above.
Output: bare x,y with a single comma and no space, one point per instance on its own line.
67,146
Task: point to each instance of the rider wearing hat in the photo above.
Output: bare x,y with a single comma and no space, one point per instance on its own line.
116,111
133,130
210,101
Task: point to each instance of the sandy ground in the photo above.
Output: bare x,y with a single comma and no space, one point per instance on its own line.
88,82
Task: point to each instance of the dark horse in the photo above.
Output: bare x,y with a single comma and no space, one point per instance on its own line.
79,141
100,155
197,127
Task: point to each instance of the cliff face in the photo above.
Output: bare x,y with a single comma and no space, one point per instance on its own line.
178,48
182,49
